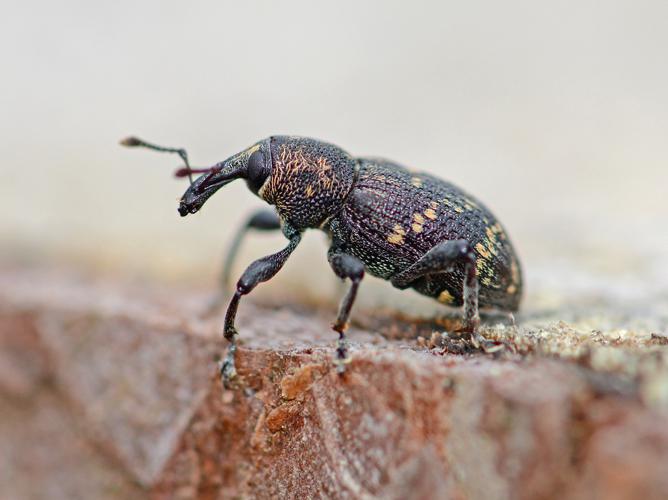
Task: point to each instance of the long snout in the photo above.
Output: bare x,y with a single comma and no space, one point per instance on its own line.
207,184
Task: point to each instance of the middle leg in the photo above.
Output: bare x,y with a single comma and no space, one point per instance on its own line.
345,266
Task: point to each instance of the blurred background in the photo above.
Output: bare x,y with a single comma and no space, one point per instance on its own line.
554,114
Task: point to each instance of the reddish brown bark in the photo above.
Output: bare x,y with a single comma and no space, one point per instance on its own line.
110,390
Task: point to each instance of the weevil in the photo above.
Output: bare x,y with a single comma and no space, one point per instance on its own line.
409,228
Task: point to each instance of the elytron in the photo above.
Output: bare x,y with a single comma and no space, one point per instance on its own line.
409,228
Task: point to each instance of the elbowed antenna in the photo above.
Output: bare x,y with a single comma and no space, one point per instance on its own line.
133,142
187,172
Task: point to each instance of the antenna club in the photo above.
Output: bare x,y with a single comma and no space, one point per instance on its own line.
131,142
182,172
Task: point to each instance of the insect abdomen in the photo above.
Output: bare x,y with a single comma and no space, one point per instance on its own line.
393,216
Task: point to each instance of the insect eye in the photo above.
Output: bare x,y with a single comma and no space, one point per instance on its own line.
258,171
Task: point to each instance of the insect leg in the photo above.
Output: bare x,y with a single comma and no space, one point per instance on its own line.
345,266
441,259
261,220
261,270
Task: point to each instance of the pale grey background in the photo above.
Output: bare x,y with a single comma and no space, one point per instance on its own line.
553,113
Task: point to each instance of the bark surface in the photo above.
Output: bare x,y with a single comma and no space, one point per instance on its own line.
109,389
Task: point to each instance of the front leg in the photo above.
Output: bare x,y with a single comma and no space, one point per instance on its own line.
264,219
345,266
261,220
261,270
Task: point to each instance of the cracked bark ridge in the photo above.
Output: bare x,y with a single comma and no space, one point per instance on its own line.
110,390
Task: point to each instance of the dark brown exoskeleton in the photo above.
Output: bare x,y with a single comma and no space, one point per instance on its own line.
409,228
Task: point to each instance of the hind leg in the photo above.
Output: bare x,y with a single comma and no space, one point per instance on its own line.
441,259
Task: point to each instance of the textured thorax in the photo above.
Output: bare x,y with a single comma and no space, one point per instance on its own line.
309,180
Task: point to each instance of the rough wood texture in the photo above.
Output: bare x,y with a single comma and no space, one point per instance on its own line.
109,390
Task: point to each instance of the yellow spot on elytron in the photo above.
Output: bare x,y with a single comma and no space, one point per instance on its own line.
418,222
482,251
416,181
497,229
486,281
480,265
397,237
445,297
451,204
514,272
470,204
433,204
309,191
430,213
491,245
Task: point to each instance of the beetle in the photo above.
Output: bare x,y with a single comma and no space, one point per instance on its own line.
409,228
